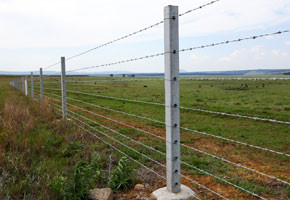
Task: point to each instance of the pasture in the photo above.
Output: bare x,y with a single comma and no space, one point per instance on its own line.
108,101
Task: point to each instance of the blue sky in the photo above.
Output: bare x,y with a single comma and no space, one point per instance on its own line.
36,33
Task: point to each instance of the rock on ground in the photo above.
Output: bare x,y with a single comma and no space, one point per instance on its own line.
101,194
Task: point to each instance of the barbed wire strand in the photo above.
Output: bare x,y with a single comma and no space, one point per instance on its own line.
182,50
235,40
198,8
119,62
130,34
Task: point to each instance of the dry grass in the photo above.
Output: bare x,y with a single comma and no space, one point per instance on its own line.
17,117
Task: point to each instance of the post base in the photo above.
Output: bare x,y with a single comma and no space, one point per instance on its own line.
163,194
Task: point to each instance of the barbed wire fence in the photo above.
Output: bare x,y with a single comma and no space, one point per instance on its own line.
84,113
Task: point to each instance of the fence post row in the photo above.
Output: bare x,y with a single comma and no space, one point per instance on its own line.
41,85
26,85
63,87
172,113
32,89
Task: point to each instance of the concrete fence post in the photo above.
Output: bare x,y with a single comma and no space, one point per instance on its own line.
32,85
173,190
26,85
22,84
63,87
172,114
41,85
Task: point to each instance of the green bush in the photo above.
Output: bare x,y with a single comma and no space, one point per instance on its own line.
79,182
76,186
57,186
122,175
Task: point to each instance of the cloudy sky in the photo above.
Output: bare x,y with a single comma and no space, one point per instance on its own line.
36,33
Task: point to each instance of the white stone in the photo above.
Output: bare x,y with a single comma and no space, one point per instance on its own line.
185,194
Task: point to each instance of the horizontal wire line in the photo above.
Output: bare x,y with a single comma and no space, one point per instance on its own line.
120,62
235,40
198,8
182,107
182,50
235,79
192,130
161,79
141,153
186,146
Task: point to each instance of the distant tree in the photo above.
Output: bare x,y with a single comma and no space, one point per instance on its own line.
111,75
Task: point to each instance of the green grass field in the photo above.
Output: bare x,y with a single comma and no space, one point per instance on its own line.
265,99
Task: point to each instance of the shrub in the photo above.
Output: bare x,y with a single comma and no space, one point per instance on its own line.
79,182
122,175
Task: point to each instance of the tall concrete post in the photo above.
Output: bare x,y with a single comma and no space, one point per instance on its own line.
63,87
41,85
172,114
26,85
32,85
173,190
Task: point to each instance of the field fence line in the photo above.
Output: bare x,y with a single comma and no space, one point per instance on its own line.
151,148
172,106
184,145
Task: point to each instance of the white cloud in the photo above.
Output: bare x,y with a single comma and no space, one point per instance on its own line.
225,59
198,58
287,43
235,53
278,52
